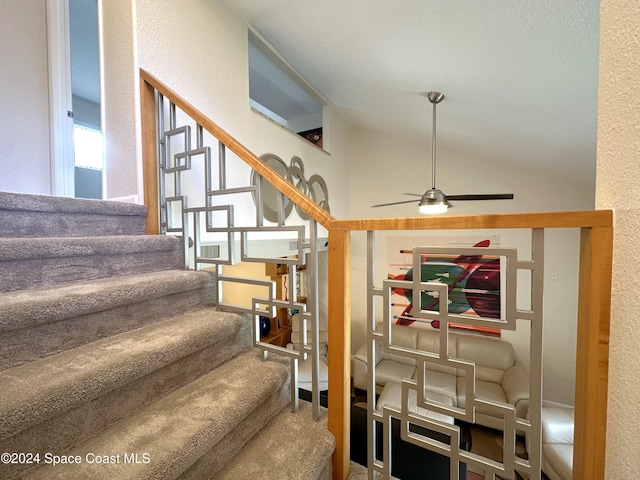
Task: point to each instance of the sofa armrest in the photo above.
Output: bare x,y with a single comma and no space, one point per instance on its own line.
515,384
360,368
361,354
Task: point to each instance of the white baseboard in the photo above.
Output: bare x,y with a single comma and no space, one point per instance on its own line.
127,199
549,403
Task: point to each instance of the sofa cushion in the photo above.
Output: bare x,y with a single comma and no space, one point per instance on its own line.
296,338
401,337
296,330
441,384
557,461
305,367
391,371
484,390
429,341
304,374
491,356
557,425
391,396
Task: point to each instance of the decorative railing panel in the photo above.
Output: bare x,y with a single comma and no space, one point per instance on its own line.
222,222
513,422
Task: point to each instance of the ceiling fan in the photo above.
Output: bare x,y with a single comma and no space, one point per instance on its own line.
434,201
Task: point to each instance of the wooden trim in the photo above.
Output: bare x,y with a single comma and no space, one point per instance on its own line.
60,99
149,156
290,191
579,219
339,356
592,362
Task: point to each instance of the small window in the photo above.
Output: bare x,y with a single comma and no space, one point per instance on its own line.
87,147
278,92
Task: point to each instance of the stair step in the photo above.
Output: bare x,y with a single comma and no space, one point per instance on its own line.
29,263
291,447
52,385
24,215
112,353
174,432
40,322
54,403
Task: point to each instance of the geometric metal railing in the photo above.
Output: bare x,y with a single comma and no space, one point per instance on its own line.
526,421
220,217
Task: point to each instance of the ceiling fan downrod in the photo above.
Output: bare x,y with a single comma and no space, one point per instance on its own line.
434,98
434,201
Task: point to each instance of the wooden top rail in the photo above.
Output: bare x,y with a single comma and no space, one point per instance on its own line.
309,206
579,219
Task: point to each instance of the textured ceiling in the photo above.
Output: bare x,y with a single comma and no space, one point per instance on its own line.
520,78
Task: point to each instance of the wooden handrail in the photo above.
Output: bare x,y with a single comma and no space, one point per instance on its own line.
578,219
296,196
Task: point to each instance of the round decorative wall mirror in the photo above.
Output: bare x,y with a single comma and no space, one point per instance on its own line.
315,188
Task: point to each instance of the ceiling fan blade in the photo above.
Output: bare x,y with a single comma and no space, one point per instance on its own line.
413,194
393,203
482,196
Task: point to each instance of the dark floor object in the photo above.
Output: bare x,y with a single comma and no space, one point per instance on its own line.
306,396
409,462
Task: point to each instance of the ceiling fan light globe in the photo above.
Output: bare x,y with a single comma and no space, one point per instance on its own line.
433,209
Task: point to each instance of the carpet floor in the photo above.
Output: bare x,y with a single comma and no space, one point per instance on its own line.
485,442
488,443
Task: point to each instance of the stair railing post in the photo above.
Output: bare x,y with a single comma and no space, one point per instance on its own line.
339,356
149,155
592,357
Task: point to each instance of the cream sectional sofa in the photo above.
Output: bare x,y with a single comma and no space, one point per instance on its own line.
557,442
499,377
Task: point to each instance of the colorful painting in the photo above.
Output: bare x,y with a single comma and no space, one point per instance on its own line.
473,282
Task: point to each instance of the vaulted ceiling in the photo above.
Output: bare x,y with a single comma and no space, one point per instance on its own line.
520,78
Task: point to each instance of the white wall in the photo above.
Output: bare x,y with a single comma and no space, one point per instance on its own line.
206,63
120,97
24,103
383,167
618,187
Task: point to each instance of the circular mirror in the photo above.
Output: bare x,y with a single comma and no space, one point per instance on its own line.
269,193
318,192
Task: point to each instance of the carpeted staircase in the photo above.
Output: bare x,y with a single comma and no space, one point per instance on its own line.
116,363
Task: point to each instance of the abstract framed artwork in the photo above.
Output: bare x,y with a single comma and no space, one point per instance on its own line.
474,282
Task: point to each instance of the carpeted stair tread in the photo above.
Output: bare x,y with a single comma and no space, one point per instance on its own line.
52,204
291,447
179,428
36,391
24,215
62,247
30,308
29,263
